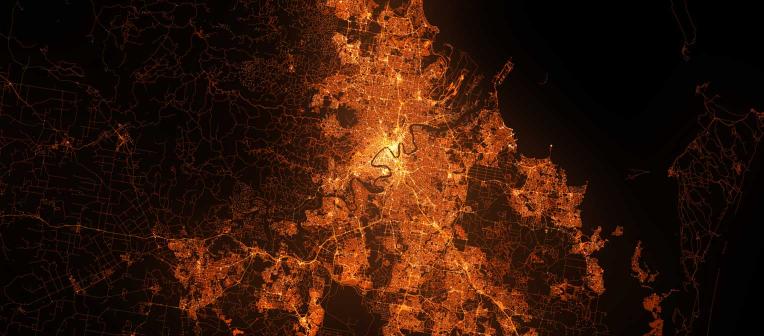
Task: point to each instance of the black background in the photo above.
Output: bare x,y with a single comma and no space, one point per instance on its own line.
620,96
